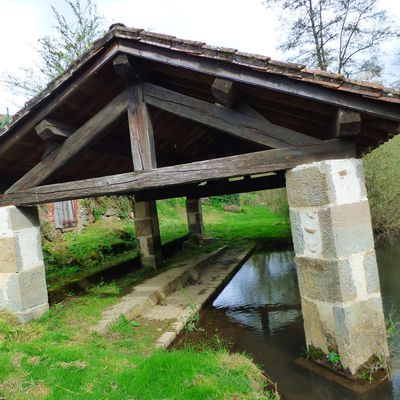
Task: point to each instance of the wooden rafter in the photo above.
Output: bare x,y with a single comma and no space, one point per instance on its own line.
75,144
196,172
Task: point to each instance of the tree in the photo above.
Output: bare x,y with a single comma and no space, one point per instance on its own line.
72,37
335,35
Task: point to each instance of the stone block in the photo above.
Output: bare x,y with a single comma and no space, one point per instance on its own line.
327,280
346,229
346,181
306,232
5,221
307,186
326,182
28,249
8,256
143,227
24,217
371,272
313,327
144,209
360,332
27,289
31,313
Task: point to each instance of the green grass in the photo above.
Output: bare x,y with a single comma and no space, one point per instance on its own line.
58,357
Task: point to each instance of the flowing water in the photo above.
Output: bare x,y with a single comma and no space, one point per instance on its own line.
259,313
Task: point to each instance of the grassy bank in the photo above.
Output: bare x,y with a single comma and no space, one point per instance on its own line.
58,357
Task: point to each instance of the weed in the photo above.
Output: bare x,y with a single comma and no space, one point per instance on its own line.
333,357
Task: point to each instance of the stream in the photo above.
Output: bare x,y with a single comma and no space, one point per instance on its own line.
258,313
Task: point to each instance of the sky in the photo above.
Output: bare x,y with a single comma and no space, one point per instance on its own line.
242,24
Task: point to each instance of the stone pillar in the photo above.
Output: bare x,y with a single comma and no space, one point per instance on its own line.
336,263
148,233
23,289
195,218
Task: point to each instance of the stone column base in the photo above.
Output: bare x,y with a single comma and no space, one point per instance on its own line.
148,233
336,263
23,289
195,218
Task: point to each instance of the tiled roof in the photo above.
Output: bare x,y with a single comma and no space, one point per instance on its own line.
254,61
260,62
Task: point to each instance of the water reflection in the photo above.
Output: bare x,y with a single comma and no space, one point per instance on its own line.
262,302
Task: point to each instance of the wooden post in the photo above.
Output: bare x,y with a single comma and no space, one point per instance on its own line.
144,158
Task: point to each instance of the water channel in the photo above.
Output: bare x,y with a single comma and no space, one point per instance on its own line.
259,313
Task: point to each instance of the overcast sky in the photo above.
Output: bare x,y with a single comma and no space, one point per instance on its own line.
242,24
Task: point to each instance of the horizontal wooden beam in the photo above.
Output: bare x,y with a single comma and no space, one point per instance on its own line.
273,82
215,188
74,144
184,174
224,119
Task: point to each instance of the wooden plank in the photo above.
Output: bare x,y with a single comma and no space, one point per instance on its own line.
215,188
224,118
274,82
196,172
347,123
140,129
75,144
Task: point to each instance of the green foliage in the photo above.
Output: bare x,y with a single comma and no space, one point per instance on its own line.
72,37
124,205
333,358
228,199
314,353
382,174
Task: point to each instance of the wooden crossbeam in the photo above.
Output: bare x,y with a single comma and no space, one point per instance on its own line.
74,145
215,188
184,174
224,118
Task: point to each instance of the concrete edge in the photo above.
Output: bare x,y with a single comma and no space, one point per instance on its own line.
111,314
167,338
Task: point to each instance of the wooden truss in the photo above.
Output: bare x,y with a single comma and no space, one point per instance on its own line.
284,148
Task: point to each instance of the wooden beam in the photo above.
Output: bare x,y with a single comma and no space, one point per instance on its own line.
28,121
196,172
75,144
347,123
224,119
224,92
124,68
215,188
52,129
273,82
140,129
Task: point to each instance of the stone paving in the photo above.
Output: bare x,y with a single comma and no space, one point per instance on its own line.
175,294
